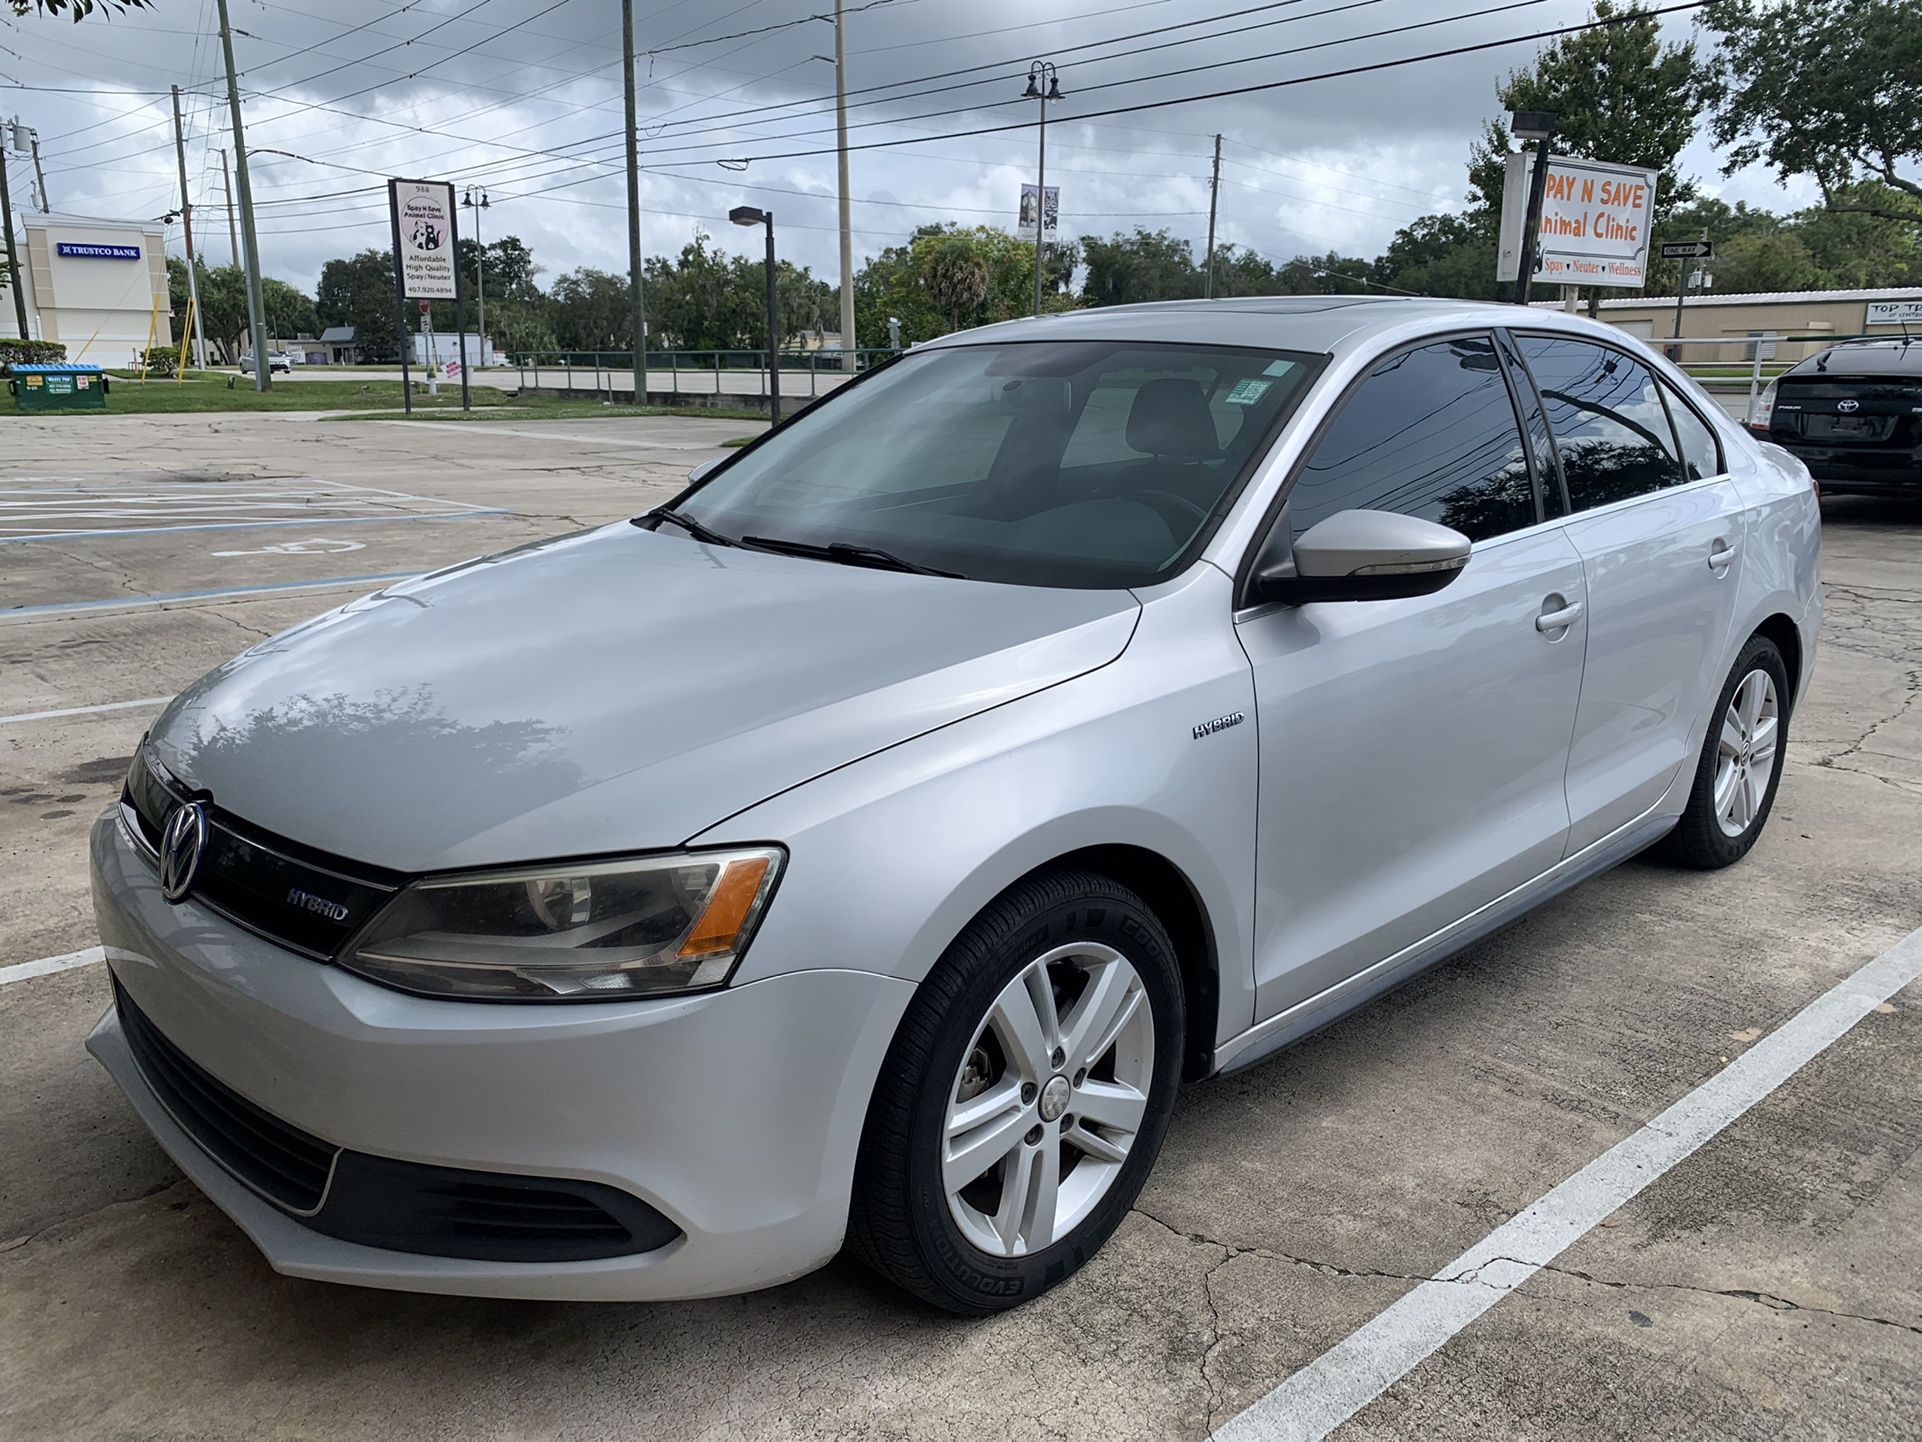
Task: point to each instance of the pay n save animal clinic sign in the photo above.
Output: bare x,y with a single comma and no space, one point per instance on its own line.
1596,219
423,213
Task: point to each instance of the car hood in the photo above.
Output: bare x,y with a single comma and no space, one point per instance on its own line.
609,691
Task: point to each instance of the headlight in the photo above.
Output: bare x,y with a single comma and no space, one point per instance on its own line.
605,929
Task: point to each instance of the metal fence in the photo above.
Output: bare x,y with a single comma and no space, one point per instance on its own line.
689,371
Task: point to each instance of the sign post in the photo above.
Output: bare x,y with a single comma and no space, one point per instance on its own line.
1684,251
425,269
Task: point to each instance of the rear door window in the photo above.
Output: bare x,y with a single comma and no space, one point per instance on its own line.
1701,454
1611,429
1431,432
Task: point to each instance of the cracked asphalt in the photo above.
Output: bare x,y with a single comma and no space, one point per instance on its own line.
1768,1287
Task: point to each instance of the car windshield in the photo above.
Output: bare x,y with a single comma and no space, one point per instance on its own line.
1063,463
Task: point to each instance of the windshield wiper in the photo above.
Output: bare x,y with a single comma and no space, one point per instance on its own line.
847,554
693,527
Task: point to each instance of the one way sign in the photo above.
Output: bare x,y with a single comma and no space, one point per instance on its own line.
1687,250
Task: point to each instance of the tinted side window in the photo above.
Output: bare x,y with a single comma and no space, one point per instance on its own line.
1430,433
1701,456
1611,429
1547,476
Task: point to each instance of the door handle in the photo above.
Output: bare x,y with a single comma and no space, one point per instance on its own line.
1559,620
1721,555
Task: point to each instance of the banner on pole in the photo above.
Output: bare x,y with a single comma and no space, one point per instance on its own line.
1039,208
423,212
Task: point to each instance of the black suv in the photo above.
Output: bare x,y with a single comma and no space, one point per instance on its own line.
1853,415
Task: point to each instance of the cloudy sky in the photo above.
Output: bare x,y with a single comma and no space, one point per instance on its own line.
523,97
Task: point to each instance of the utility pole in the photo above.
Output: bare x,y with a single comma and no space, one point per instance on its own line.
638,300
1214,195
33,139
13,255
187,231
256,321
849,360
226,185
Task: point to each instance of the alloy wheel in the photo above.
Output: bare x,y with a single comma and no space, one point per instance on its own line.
1745,755
1050,1095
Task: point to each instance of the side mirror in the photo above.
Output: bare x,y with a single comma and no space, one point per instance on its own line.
1360,556
703,468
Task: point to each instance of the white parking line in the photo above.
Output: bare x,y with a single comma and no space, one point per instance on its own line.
1339,1383
83,710
47,965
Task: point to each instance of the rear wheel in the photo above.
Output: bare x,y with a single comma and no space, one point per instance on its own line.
1740,765
1024,1099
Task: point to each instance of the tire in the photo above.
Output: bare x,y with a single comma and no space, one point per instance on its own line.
988,1246
1711,835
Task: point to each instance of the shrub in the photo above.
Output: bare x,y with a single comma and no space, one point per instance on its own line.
14,351
160,360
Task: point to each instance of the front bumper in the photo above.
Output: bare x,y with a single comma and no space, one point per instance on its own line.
735,1113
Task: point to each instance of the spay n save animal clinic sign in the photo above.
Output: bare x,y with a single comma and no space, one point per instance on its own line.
423,213
1596,220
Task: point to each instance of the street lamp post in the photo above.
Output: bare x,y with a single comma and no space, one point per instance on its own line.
749,215
1041,71
1538,126
476,201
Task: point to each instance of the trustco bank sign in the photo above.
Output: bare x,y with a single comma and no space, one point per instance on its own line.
82,250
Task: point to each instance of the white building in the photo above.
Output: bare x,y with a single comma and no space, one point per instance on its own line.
97,286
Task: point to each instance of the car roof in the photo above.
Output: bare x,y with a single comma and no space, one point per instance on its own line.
1897,355
1314,323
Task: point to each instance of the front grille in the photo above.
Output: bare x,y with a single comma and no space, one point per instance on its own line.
281,1162
291,894
380,1201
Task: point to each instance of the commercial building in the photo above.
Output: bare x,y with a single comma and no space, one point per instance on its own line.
97,286
1815,317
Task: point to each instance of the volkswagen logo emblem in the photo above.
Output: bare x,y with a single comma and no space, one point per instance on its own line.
1848,407
182,845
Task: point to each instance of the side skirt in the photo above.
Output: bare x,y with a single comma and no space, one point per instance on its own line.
1285,1028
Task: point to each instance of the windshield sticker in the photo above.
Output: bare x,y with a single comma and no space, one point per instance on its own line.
1247,392
1278,367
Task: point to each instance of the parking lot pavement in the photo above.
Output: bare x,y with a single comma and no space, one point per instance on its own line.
1768,1285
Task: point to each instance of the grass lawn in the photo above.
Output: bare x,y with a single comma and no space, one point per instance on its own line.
202,392
208,393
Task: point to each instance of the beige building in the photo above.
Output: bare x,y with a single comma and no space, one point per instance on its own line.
1814,318
97,286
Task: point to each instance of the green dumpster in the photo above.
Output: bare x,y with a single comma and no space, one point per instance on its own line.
59,387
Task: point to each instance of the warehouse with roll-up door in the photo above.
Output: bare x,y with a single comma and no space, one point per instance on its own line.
99,287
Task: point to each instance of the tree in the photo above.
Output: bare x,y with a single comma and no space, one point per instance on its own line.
360,292
1148,265
79,9
588,310
1618,94
1443,255
1825,89
929,283
289,312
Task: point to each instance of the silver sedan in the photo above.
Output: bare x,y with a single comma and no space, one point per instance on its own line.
860,850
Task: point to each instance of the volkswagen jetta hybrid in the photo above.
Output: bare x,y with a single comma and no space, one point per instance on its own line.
860,849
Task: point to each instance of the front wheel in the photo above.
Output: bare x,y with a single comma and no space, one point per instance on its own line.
1740,765
1024,1098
